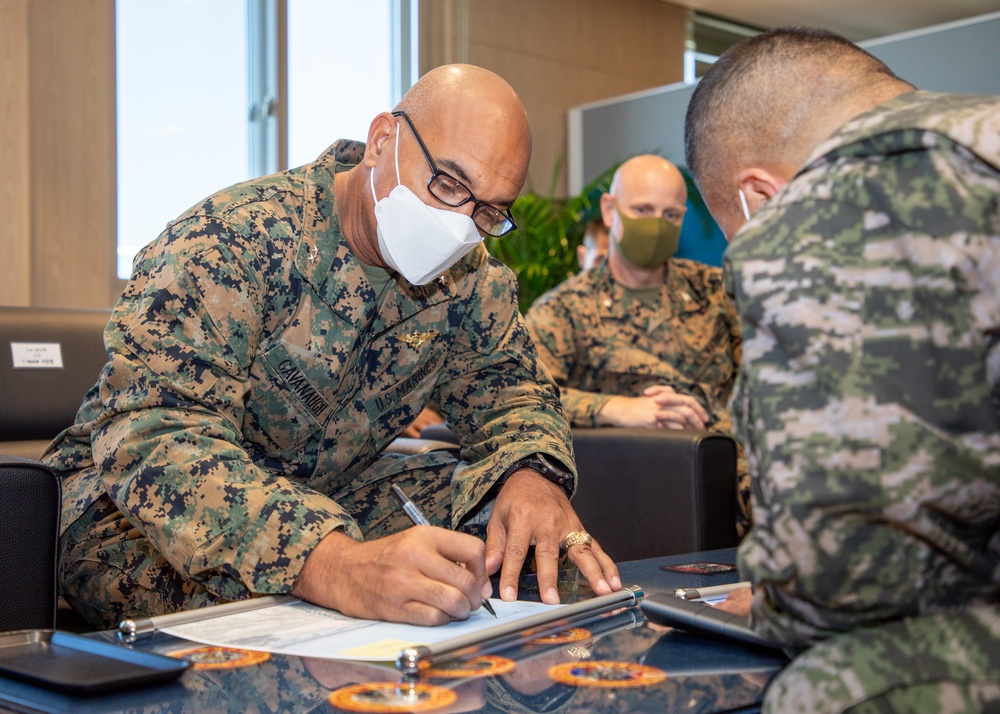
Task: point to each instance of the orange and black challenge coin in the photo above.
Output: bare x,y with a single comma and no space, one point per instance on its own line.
221,657
606,673
564,637
482,666
392,697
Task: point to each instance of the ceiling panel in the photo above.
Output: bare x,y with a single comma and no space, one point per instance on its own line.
855,19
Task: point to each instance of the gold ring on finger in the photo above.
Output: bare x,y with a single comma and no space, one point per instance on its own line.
575,538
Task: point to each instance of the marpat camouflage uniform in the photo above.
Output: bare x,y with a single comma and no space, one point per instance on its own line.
597,343
254,378
869,406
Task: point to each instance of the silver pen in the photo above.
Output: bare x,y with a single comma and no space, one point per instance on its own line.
132,627
418,518
708,591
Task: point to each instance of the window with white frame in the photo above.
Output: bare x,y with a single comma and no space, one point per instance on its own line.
199,101
182,110
707,38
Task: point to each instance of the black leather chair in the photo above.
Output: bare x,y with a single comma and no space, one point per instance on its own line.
37,403
645,493
29,536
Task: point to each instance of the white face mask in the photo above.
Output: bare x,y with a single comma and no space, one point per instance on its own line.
419,241
743,202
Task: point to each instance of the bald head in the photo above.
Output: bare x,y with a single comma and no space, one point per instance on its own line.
479,114
650,174
464,121
769,101
644,186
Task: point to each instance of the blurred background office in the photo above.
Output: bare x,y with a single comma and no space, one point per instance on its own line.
117,116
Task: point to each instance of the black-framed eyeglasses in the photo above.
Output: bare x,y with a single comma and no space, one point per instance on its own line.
452,192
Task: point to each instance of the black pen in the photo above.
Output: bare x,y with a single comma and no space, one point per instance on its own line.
419,519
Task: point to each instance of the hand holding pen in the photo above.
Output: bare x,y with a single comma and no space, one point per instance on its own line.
420,576
418,518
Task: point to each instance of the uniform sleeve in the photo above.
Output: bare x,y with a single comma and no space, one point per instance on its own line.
169,441
712,383
864,407
553,333
496,395
732,319
582,407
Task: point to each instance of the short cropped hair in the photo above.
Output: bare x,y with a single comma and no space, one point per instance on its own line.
758,85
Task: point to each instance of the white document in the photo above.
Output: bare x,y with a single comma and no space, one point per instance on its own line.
306,630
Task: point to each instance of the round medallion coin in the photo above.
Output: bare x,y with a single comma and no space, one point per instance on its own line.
563,637
221,657
606,673
392,697
482,666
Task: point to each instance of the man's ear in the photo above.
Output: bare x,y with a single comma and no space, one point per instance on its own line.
607,210
382,129
759,185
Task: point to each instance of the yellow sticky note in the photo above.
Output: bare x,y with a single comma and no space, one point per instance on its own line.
381,650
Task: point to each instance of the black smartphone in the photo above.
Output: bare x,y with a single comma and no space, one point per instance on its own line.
74,664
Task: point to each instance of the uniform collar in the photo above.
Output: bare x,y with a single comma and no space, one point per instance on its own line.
899,125
675,298
326,262
404,299
324,259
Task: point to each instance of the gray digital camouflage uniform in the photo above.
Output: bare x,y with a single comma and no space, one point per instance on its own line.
596,343
869,406
254,379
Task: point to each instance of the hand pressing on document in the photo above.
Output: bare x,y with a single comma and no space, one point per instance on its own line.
532,511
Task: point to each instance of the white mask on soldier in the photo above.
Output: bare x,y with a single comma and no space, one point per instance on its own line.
416,240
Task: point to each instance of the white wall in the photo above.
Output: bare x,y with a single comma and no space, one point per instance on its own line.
961,56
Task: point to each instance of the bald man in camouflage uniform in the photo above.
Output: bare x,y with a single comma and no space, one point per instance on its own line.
263,356
868,282
643,345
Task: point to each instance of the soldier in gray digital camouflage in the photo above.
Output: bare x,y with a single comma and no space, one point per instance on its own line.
646,339
276,338
864,220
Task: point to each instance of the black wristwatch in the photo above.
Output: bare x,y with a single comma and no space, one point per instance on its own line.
547,467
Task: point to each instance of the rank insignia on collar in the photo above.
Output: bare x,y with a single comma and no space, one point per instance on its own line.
313,254
415,338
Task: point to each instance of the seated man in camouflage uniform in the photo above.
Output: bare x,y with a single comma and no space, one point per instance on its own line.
647,339
277,337
865,265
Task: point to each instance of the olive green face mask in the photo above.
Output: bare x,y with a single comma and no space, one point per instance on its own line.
648,242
